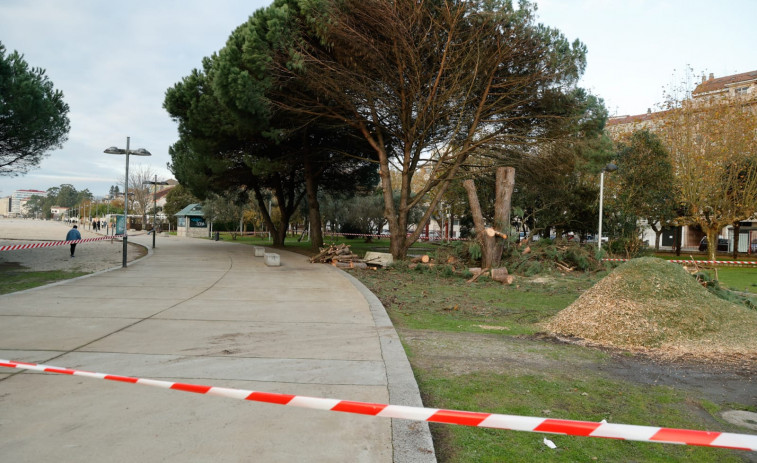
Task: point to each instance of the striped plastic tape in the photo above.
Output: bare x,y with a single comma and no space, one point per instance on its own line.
707,262
478,419
16,247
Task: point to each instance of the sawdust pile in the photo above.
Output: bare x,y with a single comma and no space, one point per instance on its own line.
649,304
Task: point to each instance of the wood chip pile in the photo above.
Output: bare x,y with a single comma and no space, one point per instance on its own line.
651,305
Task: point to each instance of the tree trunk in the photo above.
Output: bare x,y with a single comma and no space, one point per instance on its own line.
712,242
677,245
657,235
491,248
487,242
314,210
736,230
264,212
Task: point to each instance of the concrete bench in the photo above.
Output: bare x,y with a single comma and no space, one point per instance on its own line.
259,251
272,260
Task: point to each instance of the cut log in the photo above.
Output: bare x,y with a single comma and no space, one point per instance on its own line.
564,267
492,232
350,265
509,279
499,274
475,277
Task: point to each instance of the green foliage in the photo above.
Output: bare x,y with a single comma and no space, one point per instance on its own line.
543,256
474,250
33,115
559,188
65,195
646,184
627,247
706,279
177,199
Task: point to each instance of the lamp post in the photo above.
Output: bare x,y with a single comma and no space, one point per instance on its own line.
608,168
127,152
154,184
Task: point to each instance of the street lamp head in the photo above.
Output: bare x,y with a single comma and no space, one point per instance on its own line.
610,167
139,152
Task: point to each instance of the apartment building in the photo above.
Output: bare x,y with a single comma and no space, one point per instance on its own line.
711,89
19,199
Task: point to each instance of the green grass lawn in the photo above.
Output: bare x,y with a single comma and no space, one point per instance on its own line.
739,278
12,281
550,380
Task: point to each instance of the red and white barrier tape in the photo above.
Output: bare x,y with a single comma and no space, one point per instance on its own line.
362,235
710,262
15,247
421,238
477,419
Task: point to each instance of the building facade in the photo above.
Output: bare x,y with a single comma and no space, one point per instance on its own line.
5,206
191,222
19,199
738,87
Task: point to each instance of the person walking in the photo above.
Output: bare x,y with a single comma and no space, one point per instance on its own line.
73,235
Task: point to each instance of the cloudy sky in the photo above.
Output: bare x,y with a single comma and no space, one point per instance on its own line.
114,61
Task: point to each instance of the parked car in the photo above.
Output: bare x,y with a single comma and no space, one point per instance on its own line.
722,244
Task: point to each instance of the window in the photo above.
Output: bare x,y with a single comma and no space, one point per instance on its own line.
742,90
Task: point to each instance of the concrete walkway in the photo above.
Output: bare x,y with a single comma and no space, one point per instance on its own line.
210,313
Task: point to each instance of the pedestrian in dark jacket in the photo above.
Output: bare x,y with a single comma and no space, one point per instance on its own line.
73,235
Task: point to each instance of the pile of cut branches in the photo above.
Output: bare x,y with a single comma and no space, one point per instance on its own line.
340,256
547,255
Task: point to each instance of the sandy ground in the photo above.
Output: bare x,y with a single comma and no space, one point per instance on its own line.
90,257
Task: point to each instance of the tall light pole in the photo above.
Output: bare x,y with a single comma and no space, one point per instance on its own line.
154,184
127,152
608,168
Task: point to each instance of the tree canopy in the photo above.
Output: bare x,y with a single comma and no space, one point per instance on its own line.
426,84
33,115
713,150
646,184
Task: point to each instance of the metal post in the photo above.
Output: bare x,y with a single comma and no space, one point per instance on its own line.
154,207
601,198
126,203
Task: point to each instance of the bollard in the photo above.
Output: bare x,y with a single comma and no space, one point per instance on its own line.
272,260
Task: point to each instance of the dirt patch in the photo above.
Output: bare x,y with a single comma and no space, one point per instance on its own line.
467,353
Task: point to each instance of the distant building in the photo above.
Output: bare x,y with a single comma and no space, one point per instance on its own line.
19,199
5,206
742,85
59,212
737,87
191,222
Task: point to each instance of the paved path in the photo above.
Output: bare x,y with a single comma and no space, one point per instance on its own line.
204,312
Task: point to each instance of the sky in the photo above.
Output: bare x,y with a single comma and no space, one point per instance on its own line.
114,61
